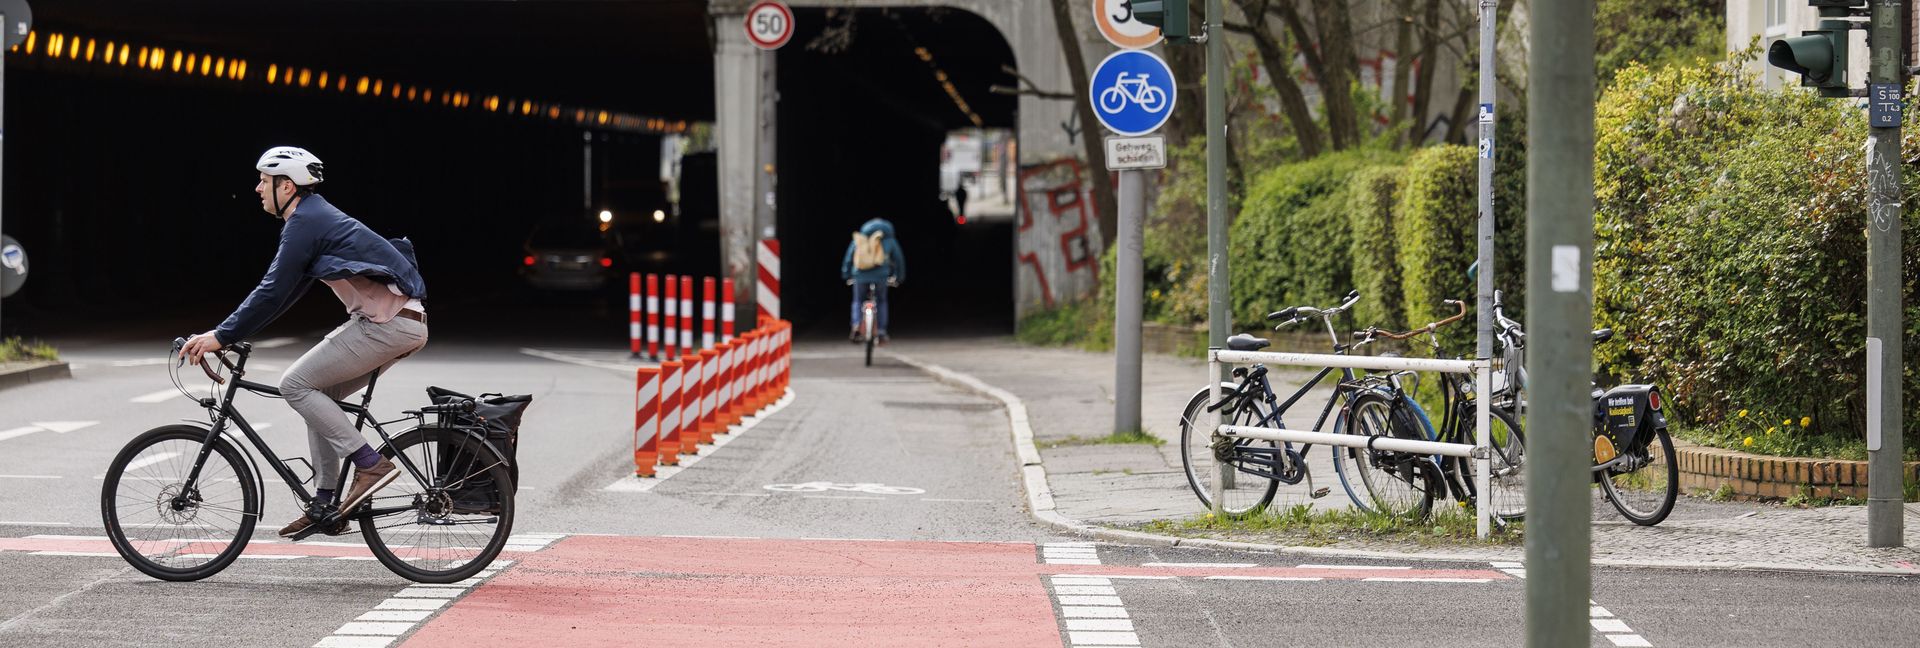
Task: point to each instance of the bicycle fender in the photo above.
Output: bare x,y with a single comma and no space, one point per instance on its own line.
259,480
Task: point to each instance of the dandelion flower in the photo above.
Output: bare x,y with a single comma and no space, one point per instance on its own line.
1743,413
1788,423
1748,442
1770,431
1806,421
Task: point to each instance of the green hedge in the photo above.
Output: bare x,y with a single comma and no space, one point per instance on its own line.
1436,222
1375,252
1290,242
1728,249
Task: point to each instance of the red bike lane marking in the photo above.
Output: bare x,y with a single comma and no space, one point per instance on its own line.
626,591
617,591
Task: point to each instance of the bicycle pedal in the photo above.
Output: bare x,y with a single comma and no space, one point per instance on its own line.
1321,492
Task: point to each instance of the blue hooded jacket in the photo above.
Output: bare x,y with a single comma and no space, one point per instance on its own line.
896,265
319,241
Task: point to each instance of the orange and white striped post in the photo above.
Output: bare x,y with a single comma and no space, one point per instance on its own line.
723,410
670,387
633,312
653,316
709,392
707,319
690,389
786,358
726,310
742,375
767,288
763,368
646,421
686,315
673,318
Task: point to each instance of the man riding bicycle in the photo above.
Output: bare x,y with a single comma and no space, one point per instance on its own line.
378,282
873,260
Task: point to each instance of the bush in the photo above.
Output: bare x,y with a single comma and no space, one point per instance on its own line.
1290,243
1436,221
1728,254
1375,253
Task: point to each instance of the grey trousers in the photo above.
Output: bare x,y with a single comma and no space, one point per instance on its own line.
339,365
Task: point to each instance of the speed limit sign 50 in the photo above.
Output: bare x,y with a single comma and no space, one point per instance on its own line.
769,24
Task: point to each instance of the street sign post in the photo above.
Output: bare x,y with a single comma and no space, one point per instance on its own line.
1116,21
13,266
16,19
1132,92
769,24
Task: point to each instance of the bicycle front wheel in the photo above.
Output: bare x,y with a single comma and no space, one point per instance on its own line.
1645,495
1397,484
166,529
1243,493
452,524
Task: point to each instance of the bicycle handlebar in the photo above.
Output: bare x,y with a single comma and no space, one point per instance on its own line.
1295,314
1429,328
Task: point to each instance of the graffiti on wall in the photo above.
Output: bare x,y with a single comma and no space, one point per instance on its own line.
1057,246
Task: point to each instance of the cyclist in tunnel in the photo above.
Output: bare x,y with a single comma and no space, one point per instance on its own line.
376,279
873,259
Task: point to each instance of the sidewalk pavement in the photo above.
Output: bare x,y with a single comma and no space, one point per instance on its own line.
1068,393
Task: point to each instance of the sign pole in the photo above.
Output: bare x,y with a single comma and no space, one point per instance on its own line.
1887,80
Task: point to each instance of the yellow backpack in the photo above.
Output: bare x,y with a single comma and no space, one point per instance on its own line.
868,253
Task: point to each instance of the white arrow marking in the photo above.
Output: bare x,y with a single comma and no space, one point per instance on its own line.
18,432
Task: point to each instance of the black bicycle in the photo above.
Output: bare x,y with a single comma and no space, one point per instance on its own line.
181,501
1393,407
1397,482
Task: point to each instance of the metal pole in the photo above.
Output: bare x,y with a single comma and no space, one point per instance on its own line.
1483,442
1559,316
3,131
1488,38
1218,319
1886,82
765,149
1127,301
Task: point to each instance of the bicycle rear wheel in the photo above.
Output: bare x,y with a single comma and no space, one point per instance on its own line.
450,526
1645,495
1398,484
166,530
868,330
1244,493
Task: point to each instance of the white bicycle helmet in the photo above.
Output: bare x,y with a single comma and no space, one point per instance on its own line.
295,163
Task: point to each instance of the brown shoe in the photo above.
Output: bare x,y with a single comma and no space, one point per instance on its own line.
290,530
368,480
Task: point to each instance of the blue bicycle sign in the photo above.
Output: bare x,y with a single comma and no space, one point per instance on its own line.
1132,92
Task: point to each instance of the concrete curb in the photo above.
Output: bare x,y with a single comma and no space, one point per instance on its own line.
1040,503
50,370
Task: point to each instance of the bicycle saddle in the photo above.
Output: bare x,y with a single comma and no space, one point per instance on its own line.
1244,342
1602,335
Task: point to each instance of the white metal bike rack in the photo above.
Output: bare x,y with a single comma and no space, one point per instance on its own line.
1481,370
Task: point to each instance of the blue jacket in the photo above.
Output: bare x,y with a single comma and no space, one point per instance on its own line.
319,241
896,265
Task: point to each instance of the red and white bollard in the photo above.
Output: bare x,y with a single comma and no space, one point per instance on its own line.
706,313
633,312
646,421
673,318
653,317
670,388
726,310
767,292
686,315
690,391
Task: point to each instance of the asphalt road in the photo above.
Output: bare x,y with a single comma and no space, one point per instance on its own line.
877,508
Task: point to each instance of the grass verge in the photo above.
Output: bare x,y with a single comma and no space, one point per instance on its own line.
15,349
1130,436
1303,525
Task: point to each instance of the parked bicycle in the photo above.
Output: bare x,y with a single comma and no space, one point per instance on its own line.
1634,463
180,501
1394,482
1379,409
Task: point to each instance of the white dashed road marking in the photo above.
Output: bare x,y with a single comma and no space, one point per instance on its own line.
1092,611
1615,630
396,616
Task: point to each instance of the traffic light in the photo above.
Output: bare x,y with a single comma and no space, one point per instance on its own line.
1169,15
1819,55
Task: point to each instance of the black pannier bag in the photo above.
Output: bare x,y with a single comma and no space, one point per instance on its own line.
498,418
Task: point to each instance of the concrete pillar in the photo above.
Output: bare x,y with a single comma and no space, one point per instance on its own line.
742,134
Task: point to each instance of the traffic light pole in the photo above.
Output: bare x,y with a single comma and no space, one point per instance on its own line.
1218,317
1886,81
1559,316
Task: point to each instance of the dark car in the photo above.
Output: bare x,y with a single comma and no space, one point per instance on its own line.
572,256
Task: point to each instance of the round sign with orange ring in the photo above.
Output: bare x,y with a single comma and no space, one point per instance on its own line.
1116,21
